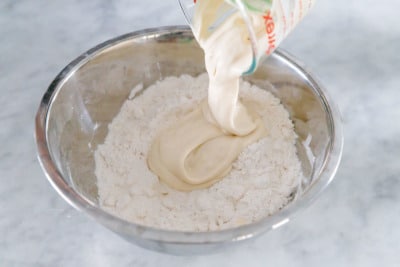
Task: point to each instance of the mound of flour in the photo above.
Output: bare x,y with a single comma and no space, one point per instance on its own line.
260,183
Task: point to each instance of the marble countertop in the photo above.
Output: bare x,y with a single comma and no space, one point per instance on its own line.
352,45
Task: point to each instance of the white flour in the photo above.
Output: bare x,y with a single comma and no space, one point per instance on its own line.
260,183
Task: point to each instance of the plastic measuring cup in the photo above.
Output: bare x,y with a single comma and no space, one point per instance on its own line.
278,18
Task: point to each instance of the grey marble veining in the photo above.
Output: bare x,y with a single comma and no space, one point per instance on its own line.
352,45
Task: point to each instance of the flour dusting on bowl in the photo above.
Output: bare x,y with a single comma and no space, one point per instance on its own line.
263,178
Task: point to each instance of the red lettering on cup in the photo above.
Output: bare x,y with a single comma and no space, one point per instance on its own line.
270,30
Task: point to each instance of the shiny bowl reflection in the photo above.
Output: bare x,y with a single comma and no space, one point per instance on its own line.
74,113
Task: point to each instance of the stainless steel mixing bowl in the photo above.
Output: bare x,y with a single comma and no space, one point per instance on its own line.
74,113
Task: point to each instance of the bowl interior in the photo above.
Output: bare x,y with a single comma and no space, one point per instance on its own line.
86,96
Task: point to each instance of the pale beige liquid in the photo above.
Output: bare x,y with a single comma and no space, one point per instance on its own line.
199,149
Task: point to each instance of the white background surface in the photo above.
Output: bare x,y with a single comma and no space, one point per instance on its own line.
352,45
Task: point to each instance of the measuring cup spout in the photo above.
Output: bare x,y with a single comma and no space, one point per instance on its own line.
267,22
